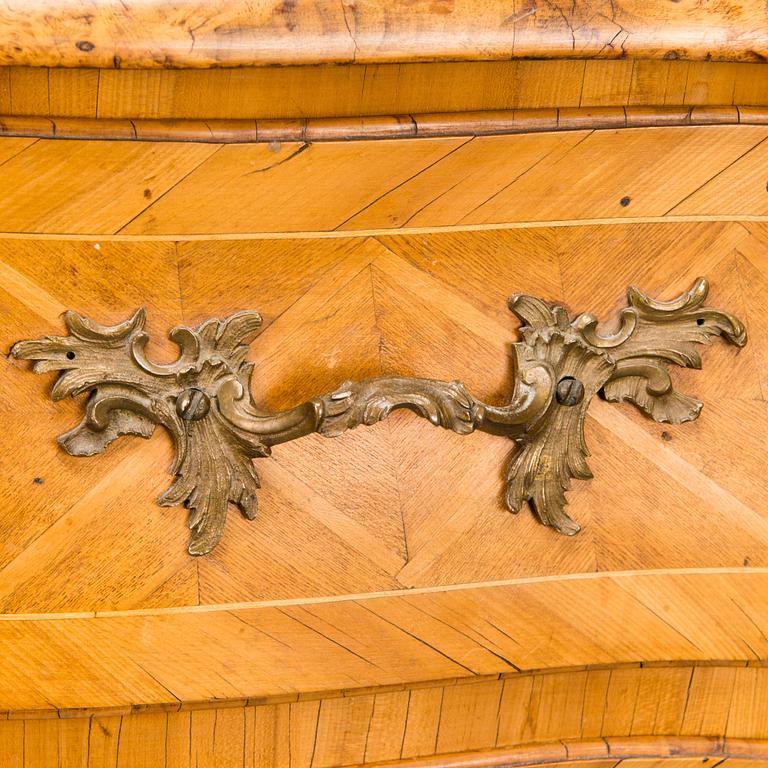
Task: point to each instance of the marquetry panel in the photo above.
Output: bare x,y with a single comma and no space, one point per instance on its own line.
624,631
373,510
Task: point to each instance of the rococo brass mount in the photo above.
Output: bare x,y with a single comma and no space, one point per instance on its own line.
205,401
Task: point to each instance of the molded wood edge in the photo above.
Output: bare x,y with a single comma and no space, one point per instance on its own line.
312,130
154,34
575,751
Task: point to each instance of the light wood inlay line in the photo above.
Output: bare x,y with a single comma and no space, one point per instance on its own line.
364,234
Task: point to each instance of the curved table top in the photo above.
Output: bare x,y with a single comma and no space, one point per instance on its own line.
232,33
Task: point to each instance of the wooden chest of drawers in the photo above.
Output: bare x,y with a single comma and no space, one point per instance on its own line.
377,198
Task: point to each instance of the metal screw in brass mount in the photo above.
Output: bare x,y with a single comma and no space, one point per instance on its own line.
569,391
193,404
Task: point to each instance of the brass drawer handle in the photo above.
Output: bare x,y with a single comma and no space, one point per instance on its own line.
204,398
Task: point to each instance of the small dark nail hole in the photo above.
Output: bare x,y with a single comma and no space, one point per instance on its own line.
625,201
38,481
71,355
699,321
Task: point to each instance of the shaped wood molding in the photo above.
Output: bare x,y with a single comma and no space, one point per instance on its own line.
204,398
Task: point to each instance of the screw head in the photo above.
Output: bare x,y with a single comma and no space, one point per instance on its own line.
570,391
192,404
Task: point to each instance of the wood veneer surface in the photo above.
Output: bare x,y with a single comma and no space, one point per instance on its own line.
176,189
384,606
373,510
155,34
374,89
564,637
259,736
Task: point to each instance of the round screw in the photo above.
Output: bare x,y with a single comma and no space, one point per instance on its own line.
570,391
192,404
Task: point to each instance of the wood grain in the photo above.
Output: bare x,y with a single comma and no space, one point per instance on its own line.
152,34
562,629
372,510
444,182
96,280
105,182
150,188
243,738
365,90
383,608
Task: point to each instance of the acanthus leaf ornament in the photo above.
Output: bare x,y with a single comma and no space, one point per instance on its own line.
627,365
205,401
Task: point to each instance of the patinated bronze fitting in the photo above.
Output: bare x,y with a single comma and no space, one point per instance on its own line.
205,401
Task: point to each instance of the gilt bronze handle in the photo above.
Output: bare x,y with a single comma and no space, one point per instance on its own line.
205,401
